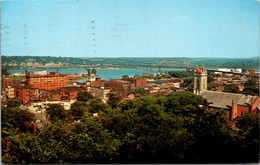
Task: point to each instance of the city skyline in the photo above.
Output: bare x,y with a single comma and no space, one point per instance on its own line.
131,28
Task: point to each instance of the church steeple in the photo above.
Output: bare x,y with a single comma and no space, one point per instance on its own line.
200,80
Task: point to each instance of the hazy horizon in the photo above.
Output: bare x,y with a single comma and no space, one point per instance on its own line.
131,57
131,28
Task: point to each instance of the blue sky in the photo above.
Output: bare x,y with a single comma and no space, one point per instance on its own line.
131,28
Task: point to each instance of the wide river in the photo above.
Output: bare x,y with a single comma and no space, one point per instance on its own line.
105,74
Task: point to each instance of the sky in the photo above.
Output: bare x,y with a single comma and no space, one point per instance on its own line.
131,28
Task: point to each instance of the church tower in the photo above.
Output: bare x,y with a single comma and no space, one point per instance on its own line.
200,80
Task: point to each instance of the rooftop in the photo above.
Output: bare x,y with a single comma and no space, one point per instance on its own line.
123,81
69,89
224,99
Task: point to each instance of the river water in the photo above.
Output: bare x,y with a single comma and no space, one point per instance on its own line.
105,74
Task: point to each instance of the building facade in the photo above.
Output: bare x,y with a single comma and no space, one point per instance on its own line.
7,82
26,94
51,81
9,91
100,93
200,81
122,87
72,92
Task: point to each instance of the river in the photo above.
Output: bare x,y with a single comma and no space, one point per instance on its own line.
105,74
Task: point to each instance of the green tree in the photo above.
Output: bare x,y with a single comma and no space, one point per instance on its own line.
125,77
113,100
84,96
210,77
77,109
251,87
191,86
4,72
188,81
14,117
97,105
231,88
175,128
14,103
55,112
139,90
93,71
89,72
249,141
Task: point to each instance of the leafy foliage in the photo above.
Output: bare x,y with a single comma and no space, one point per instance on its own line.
14,103
231,88
14,117
96,105
113,100
181,74
55,112
251,88
139,90
125,77
93,71
84,96
4,72
175,128
77,109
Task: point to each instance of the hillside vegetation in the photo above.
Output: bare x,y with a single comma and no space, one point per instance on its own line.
165,129
20,62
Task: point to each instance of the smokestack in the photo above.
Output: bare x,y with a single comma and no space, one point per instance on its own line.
252,105
233,110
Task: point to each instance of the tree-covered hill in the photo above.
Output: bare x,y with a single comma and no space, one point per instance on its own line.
13,62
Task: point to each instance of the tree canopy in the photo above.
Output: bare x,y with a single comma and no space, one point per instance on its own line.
14,103
78,109
84,96
125,77
231,88
251,88
55,112
175,128
113,100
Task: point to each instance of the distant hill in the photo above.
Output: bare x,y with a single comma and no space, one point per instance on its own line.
19,62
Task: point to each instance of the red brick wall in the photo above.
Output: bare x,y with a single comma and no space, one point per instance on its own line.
47,82
116,86
7,82
241,110
97,84
22,94
141,83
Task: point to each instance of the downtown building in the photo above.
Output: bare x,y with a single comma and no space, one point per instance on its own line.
51,81
36,86
122,87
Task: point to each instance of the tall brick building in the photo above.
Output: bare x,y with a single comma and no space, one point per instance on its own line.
122,87
26,94
51,81
6,82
